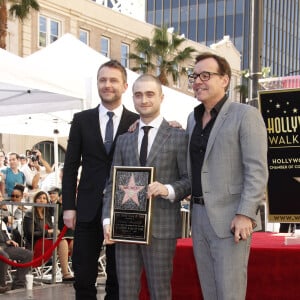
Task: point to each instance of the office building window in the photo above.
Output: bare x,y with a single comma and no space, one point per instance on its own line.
104,46
207,21
158,14
166,13
84,36
49,31
125,55
175,15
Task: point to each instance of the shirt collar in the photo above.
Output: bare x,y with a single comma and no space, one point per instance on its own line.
103,111
199,110
219,105
154,123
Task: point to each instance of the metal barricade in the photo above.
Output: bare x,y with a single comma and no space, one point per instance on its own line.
18,225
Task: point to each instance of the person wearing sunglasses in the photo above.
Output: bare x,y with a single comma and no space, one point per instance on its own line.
18,212
17,196
227,162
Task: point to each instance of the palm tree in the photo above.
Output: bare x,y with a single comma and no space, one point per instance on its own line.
243,88
161,52
18,8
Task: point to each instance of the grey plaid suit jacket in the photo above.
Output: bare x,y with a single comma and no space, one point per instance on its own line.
168,156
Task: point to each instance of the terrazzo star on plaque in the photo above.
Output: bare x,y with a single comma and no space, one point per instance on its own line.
131,191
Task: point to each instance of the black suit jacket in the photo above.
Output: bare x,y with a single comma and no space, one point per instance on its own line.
85,147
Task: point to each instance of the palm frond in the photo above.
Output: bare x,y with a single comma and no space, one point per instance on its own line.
161,52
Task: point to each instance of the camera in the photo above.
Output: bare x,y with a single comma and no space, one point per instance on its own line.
32,155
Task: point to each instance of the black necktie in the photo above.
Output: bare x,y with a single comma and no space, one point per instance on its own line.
109,132
144,145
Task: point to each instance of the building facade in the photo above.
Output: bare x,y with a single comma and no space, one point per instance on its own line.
207,21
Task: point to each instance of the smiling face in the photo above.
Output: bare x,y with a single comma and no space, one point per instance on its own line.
212,90
111,86
147,97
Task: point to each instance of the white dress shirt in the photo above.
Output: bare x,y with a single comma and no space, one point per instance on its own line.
103,118
151,136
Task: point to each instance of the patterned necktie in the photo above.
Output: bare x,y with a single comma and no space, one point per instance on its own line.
144,145
109,132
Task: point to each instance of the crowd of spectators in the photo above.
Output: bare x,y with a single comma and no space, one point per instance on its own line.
28,178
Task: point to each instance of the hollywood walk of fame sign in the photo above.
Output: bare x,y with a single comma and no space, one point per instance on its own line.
131,209
281,112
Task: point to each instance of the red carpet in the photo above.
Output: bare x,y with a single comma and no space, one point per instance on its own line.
273,271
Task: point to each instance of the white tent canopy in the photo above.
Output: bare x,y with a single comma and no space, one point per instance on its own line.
43,90
32,104
62,77
40,124
75,66
81,62
47,87
26,89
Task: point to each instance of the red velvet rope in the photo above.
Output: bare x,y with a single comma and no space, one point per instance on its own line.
37,261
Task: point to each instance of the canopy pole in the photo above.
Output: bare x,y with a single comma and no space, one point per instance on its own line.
56,132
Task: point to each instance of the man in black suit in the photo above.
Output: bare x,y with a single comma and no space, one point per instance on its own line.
87,147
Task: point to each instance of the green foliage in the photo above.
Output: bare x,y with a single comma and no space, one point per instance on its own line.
245,74
21,8
161,52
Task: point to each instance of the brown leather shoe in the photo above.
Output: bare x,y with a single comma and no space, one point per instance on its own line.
4,289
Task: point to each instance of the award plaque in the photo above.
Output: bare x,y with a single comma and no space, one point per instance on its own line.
131,209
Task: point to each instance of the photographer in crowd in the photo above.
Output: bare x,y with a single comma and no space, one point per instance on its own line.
35,170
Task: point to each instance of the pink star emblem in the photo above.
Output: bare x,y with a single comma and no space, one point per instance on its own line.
131,191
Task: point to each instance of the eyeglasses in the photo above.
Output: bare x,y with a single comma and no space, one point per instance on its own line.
15,196
204,76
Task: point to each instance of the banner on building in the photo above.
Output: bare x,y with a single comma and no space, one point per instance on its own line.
281,112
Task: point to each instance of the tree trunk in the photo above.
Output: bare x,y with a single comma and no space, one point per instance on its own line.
163,78
3,24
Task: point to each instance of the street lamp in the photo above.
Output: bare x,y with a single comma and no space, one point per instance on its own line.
255,50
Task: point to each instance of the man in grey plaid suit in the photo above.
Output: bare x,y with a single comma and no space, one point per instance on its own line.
167,149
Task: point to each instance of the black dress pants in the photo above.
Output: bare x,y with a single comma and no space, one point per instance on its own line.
88,240
112,287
